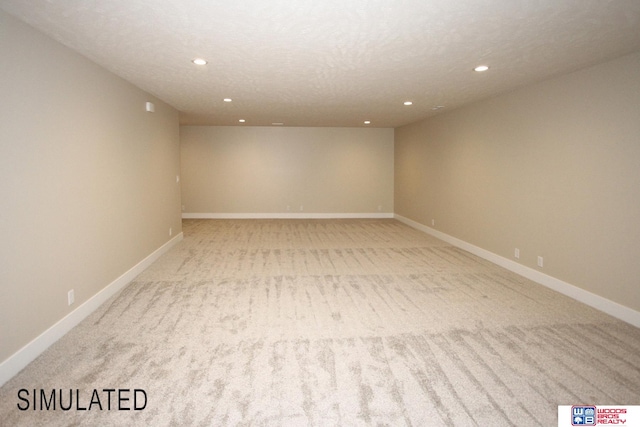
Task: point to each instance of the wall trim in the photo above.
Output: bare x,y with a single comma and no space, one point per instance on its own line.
605,305
286,215
21,358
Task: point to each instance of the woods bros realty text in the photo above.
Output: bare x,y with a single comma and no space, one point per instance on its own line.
106,399
592,415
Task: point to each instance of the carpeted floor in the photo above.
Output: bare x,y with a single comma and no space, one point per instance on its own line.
329,323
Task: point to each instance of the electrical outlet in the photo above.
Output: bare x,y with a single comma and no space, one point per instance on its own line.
301,208
71,297
516,253
540,261
170,231
379,208
433,222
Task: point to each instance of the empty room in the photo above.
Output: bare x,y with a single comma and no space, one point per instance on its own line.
305,213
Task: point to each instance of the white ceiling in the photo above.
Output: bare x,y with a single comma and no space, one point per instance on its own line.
334,62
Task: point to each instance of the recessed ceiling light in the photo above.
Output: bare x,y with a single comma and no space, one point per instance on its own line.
408,103
242,120
481,68
227,100
367,122
199,61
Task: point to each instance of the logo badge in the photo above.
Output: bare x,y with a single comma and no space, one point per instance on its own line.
583,415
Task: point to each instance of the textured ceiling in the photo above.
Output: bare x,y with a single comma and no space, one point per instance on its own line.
334,62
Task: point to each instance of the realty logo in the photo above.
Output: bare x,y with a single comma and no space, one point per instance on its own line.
583,415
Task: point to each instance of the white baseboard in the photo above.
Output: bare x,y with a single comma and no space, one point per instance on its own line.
612,308
286,215
20,359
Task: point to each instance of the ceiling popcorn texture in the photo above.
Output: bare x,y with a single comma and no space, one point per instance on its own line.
334,62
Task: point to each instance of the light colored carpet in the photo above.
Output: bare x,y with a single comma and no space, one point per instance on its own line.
333,322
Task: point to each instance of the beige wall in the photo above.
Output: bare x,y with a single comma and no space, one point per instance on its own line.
266,169
552,169
88,180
